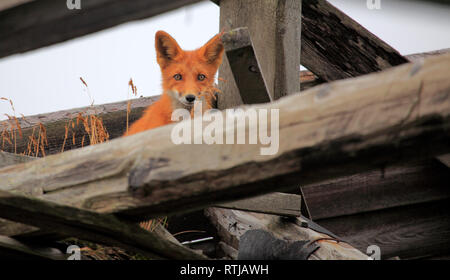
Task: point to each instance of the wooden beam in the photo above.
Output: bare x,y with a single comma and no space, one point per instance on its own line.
11,249
413,231
11,159
56,23
281,204
232,224
7,4
275,28
91,226
245,67
113,115
334,46
383,188
335,129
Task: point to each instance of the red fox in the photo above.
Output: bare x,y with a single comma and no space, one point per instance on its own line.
187,76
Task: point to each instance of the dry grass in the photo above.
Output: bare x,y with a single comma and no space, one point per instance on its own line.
11,130
134,92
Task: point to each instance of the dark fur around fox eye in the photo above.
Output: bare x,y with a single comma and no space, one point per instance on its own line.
177,77
201,77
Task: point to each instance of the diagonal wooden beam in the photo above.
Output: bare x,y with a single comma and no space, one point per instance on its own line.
91,226
338,129
12,249
55,22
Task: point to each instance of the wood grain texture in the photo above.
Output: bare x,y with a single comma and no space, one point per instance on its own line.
232,224
11,159
11,249
340,128
114,116
91,226
421,230
281,204
275,29
45,22
334,46
389,187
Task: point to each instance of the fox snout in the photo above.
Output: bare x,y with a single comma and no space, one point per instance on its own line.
190,98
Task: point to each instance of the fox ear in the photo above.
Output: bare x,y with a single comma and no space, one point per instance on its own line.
213,50
167,49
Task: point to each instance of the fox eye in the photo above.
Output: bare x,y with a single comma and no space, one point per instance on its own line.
177,77
201,77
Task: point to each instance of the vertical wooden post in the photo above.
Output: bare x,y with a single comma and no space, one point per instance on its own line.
275,29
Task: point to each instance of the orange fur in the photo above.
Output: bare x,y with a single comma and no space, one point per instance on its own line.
189,65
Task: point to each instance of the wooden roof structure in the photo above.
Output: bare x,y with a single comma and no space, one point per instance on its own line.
363,152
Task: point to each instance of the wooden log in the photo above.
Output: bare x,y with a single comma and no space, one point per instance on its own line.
389,187
281,204
334,131
6,4
91,226
232,224
11,159
57,23
11,249
245,67
414,231
113,115
275,30
334,46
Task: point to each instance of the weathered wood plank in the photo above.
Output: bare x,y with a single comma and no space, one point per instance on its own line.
19,25
334,46
413,231
389,187
335,130
6,4
11,249
232,224
245,67
91,226
11,159
275,31
281,204
114,116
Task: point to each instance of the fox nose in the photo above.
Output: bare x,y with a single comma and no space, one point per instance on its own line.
190,98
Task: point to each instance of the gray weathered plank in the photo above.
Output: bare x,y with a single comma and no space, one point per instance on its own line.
45,22
11,159
275,32
91,226
388,187
281,204
113,115
413,231
11,249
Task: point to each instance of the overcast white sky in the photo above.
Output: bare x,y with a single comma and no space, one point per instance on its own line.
47,79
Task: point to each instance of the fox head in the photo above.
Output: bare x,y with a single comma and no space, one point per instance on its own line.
187,75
